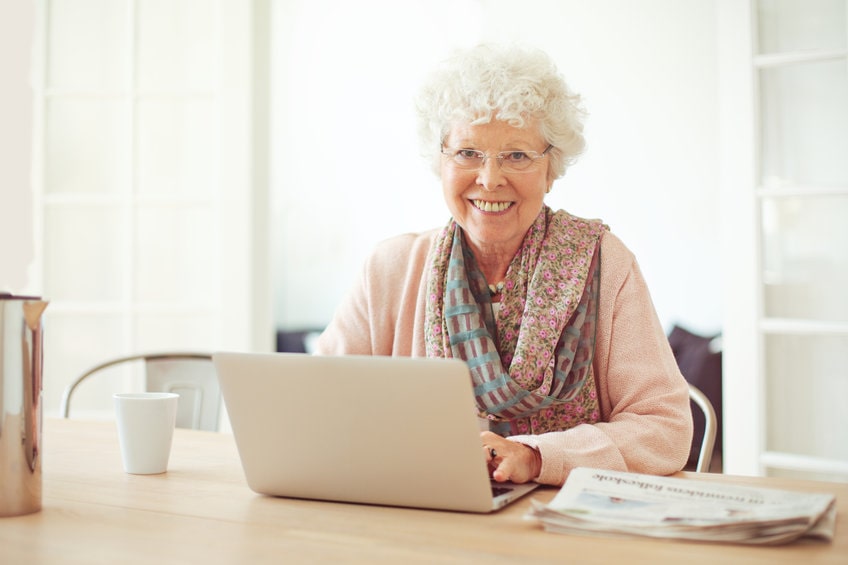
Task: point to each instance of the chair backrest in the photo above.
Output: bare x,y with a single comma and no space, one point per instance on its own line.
705,455
191,375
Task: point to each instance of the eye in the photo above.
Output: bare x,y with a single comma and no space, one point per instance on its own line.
468,155
515,157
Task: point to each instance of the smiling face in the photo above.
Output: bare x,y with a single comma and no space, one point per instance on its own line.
494,208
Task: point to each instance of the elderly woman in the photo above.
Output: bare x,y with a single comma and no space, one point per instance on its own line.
569,362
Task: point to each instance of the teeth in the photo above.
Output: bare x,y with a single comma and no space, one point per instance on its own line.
487,206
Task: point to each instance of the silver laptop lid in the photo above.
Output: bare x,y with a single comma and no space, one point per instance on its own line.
381,430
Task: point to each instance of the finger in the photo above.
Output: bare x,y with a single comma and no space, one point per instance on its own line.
510,469
502,472
500,476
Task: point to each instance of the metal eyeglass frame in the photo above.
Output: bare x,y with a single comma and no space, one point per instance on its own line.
452,153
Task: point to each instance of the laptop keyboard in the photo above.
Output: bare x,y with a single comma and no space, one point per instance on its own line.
499,490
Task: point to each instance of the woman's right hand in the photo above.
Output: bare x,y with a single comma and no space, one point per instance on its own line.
509,460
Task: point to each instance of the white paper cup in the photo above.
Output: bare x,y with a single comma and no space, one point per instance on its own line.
145,430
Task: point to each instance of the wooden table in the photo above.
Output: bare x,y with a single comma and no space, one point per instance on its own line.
201,511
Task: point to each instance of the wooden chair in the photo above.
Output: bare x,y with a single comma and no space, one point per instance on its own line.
189,374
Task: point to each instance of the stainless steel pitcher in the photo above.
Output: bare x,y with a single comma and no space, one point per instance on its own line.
21,360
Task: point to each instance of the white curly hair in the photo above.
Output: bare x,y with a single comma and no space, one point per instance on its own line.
510,83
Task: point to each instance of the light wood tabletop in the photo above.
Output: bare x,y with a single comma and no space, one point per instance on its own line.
201,511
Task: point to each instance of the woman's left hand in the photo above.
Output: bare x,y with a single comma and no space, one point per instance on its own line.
510,460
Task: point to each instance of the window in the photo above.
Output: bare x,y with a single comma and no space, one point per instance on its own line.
143,180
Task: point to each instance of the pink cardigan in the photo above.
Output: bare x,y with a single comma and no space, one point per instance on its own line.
646,422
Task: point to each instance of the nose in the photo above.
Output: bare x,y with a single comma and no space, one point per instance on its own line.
490,176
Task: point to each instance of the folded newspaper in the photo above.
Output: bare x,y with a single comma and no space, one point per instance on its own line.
599,502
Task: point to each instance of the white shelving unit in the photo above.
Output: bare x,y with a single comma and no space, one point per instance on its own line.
785,186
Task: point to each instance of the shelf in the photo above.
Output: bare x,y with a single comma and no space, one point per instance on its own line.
796,462
802,327
121,199
129,94
60,308
792,191
794,58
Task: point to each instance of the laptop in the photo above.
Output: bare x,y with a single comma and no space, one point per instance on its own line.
395,431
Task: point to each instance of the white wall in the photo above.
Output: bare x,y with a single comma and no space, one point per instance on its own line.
343,84
16,228
345,165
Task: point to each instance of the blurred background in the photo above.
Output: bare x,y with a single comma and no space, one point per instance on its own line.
210,174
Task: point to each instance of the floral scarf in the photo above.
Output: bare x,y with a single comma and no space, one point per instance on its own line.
531,367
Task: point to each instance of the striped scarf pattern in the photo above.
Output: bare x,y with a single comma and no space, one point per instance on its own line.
531,367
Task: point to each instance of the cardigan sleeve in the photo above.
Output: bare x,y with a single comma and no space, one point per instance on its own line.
646,422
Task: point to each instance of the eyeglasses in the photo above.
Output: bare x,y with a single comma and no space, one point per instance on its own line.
509,161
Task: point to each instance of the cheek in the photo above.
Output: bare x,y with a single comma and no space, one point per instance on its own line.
530,190
539,185
452,183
